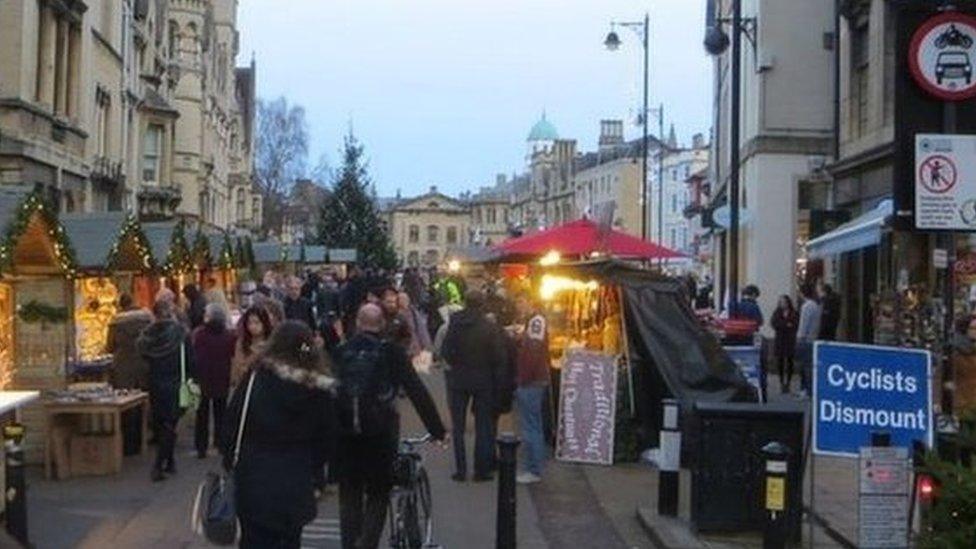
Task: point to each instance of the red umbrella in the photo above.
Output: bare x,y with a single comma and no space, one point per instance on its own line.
582,238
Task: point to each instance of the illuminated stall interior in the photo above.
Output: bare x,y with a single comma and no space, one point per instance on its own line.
168,244
582,313
113,257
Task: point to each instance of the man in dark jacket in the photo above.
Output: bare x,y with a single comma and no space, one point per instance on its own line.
164,345
195,305
297,307
830,313
369,426
129,370
476,361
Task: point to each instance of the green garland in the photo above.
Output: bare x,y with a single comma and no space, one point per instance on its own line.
226,260
132,228
34,311
178,258
63,250
201,249
240,259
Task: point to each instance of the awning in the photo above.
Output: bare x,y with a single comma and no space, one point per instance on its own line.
860,232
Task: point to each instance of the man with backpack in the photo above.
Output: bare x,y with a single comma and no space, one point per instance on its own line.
371,373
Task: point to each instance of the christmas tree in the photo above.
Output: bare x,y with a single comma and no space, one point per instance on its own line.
350,217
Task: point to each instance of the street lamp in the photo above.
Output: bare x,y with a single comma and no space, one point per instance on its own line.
612,43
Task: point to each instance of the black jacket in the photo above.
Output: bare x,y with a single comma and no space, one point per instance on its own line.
159,344
370,459
474,351
289,431
301,310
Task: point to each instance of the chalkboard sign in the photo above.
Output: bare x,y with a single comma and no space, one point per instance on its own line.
587,407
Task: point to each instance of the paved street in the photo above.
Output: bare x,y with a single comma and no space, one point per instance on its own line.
575,507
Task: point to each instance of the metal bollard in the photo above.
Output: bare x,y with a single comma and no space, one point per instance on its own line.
15,491
776,455
505,520
669,461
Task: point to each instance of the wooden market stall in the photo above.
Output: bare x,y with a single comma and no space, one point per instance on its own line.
113,257
171,250
223,264
37,263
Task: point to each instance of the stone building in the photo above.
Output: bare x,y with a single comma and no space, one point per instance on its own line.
678,165
543,196
128,105
301,213
489,208
423,229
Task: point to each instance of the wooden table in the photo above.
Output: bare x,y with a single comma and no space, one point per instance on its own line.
112,408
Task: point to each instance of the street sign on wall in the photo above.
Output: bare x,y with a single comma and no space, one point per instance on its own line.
942,54
861,389
945,182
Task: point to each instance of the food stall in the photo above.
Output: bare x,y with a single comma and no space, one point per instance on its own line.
174,258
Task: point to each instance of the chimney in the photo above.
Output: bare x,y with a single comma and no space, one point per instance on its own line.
698,141
611,134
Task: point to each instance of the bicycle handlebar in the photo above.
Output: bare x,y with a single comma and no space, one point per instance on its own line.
415,441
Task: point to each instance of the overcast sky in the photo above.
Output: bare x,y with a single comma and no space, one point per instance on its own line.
444,92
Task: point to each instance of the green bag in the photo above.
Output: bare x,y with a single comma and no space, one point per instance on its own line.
189,390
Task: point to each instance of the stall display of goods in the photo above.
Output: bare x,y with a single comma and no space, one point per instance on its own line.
6,335
582,315
95,306
89,392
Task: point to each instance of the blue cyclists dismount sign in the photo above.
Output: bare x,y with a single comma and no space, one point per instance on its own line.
860,389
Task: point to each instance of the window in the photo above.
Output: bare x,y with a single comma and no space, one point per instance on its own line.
430,257
152,143
452,235
860,69
174,39
674,237
102,104
413,259
433,233
240,204
492,216
674,203
413,234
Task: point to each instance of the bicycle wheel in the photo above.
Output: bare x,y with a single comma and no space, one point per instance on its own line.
425,504
398,536
411,533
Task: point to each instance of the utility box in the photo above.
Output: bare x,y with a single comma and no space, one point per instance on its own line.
728,469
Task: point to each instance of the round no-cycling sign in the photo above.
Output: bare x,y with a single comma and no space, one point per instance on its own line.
941,56
937,174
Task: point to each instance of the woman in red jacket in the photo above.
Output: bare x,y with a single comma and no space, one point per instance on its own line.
213,347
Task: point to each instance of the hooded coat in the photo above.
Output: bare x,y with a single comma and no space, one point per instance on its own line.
129,369
289,431
160,345
473,349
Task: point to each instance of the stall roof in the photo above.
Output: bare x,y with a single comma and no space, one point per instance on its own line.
315,254
581,238
342,255
267,252
160,237
15,201
474,254
93,235
860,232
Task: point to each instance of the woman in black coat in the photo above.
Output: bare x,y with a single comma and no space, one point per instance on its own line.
784,322
288,434
164,344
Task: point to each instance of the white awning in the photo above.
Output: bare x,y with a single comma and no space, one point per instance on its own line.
860,232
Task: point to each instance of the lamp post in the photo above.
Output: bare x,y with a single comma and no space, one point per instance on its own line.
716,42
612,42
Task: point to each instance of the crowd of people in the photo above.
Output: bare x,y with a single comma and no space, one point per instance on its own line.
306,373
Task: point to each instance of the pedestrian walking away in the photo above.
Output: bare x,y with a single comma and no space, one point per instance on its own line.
213,348
784,322
476,365
289,431
129,369
165,345
371,372
806,333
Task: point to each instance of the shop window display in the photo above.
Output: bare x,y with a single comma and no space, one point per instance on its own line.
96,302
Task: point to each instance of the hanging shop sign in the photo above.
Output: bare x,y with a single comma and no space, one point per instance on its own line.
587,407
941,56
945,182
862,389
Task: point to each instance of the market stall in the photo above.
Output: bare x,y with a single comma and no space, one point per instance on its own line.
583,239
36,266
173,255
113,257
639,322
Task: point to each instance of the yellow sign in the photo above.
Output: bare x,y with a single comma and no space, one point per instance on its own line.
775,493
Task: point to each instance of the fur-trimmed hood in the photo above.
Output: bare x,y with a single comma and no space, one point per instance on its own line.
299,376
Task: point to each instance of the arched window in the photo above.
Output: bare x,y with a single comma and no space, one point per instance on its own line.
413,235
452,235
240,204
174,39
433,233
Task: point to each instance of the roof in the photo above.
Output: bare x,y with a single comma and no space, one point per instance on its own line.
93,235
584,237
543,130
267,252
155,102
315,254
160,236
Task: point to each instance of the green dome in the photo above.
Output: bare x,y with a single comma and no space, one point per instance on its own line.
543,131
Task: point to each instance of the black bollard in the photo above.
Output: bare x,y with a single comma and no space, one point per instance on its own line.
669,461
16,486
505,520
776,456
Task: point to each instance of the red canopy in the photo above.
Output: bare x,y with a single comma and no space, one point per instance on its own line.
583,237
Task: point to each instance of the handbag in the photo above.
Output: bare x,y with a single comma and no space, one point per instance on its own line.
214,513
189,389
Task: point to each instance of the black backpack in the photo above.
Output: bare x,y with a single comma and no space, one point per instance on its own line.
366,391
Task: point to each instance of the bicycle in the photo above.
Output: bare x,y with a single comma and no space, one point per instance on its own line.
411,523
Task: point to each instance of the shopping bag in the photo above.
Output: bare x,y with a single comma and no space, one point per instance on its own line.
189,389
214,510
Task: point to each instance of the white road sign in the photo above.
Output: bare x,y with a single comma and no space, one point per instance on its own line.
941,56
945,182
